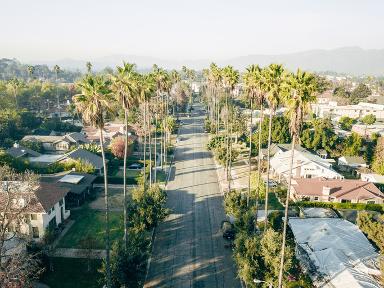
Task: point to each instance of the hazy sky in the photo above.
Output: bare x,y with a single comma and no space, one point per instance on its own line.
178,29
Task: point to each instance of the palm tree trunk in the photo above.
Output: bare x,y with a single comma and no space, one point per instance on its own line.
259,165
150,151
107,244
286,214
227,138
230,156
145,146
249,156
155,154
125,179
268,165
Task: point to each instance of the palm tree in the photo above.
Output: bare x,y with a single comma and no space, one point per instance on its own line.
124,86
145,86
274,79
31,71
214,85
14,84
299,91
94,100
161,79
252,82
230,78
56,68
89,67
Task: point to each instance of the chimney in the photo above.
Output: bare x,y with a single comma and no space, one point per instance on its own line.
16,145
326,190
298,168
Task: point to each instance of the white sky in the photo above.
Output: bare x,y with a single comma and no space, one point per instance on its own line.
179,29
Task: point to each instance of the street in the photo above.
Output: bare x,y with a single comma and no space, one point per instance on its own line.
189,248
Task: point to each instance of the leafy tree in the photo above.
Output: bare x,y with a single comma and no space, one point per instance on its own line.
319,135
353,145
360,92
257,185
374,229
33,145
378,158
369,119
117,147
146,209
221,155
341,92
346,123
128,265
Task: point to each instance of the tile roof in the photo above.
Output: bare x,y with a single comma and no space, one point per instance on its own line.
78,188
348,189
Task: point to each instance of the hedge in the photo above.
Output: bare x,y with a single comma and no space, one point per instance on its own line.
356,206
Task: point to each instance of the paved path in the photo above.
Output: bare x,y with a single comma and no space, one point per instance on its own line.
189,249
79,253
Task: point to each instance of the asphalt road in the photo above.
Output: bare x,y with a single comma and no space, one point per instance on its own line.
189,248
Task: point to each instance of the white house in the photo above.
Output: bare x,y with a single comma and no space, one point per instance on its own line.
353,162
43,207
335,253
353,111
372,177
305,165
58,143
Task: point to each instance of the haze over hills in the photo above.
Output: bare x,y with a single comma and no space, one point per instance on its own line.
348,60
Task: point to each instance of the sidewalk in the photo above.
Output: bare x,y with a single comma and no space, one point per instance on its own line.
79,253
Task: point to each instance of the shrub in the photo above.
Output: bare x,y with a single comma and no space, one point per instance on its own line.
356,206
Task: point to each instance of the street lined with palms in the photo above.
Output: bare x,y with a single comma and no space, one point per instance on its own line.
189,250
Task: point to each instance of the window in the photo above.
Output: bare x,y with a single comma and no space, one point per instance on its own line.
35,232
33,216
345,201
316,198
371,202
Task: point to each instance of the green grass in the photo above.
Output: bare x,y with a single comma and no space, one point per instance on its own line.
92,222
273,202
72,273
130,173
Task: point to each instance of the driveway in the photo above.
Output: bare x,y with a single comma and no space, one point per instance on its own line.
189,249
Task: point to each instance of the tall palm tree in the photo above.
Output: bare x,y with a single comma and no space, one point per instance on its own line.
89,67
230,77
14,85
145,86
93,102
274,79
124,86
31,71
214,86
161,79
252,81
56,68
299,91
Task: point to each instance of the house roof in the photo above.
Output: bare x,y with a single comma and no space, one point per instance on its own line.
354,159
76,188
21,151
42,138
338,250
43,197
347,189
76,137
48,195
81,154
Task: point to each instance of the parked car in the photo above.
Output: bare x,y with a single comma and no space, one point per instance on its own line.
135,166
228,230
271,184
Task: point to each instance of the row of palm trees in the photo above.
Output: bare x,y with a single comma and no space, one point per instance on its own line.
271,86
128,90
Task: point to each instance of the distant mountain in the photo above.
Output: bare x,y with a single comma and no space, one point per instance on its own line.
348,60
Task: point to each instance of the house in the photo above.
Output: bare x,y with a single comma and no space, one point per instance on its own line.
86,156
58,143
305,164
336,190
18,151
368,130
44,208
335,253
359,110
350,163
110,131
80,186
372,177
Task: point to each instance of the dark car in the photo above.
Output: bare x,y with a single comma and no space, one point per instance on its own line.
135,166
228,230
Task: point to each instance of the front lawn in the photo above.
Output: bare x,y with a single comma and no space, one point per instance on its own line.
88,221
72,273
130,173
273,202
